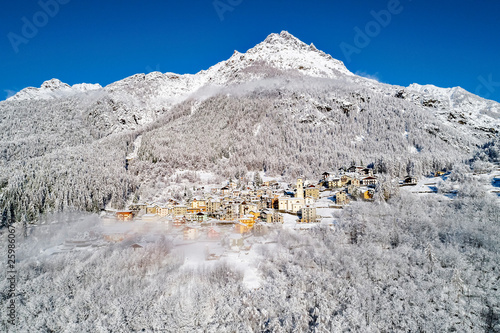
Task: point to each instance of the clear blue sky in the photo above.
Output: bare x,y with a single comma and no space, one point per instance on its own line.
446,43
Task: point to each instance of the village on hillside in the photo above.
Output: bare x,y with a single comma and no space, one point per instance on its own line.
232,212
216,221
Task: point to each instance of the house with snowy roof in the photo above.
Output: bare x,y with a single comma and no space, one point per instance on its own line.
213,205
201,217
367,172
272,216
236,240
150,217
225,190
341,198
333,182
198,202
312,191
356,169
163,210
409,180
290,204
180,210
369,181
308,214
151,209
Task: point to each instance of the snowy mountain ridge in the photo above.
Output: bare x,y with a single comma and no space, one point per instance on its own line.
141,98
52,89
457,105
279,51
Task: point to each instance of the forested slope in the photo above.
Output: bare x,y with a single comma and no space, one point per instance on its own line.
413,264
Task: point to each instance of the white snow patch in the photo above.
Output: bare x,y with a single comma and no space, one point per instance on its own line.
257,130
412,150
137,145
245,261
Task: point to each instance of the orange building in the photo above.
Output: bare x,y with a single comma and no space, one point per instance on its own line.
248,220
125,215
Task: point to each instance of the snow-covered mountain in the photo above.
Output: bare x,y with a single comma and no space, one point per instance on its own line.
278,54
457,106
53,89
142,98
282,106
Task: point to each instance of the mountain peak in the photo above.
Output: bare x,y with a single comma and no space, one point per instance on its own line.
288,36
54,84
284,38
53,88
285,51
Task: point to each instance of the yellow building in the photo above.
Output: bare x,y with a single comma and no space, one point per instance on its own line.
334,182
180,210
198,203
312,191
213,205
163,211
193,210
341,198
248,220
255,215
151,209
368,195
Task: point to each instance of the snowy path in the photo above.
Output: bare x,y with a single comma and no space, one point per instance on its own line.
137,145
